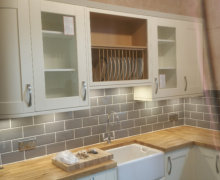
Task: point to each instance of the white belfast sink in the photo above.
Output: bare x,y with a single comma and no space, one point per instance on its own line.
137,162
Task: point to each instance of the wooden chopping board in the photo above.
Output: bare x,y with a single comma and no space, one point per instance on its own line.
92,159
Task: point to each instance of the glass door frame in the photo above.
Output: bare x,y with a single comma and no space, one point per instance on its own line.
168,92
43,103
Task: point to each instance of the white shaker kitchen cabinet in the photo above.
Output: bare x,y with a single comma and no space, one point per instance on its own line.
177,51
110,174
177,165
59,56
208,164
164,43
16,91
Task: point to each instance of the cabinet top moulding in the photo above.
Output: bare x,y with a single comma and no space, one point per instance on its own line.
119,47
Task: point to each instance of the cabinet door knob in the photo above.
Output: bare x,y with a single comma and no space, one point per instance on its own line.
29,93
157,86
186,83
83,90
216,164
170,162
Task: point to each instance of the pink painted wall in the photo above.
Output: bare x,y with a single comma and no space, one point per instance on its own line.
181,7
213,17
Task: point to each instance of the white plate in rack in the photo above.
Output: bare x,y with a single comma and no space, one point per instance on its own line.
140,68
118,68
129,68
109,69
114,68
125,69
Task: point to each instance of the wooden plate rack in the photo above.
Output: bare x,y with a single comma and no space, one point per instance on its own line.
119,63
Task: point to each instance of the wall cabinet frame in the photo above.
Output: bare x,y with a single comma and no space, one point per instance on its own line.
53,66
118,49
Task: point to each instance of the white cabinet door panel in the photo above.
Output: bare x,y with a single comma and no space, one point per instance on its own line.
208,164
16,59
192,58
175,163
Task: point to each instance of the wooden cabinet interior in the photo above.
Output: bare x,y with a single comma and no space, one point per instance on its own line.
111,30
119,47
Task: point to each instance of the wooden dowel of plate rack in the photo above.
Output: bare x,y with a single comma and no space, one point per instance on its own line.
126,56
100,71
133,65
129,71
143,65
116,60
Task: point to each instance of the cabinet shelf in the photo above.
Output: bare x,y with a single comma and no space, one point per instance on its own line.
59,70
165,41
167,68
119,47
55,34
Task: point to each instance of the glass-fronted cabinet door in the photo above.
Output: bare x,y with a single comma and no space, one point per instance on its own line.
167,70
59,58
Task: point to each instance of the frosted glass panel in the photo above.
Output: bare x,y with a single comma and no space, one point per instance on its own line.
61,84
60,55
52,22
167,55
59,52
168,33
167,78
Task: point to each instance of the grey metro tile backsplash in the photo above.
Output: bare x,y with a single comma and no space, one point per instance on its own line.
4,124
60,131
203,111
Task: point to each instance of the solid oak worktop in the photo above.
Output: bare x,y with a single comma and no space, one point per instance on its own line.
165,140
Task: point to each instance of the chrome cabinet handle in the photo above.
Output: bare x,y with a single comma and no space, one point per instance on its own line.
170,170
29,92
186,83
83,90
216,164
156,82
